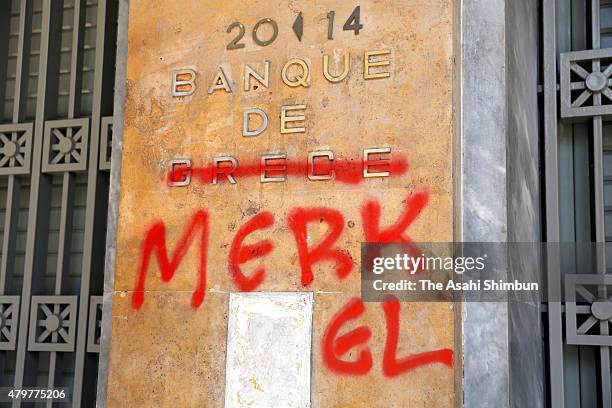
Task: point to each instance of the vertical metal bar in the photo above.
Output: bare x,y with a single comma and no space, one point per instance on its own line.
21,72
595,25
68,180
10,229
598,146
600,234
572,395
92,187
552,202
595,40
598,185
63,250
576,215
6,11
76,61
52,372
606,387
587,387
12,203
570,35
63,261
604,351
37,190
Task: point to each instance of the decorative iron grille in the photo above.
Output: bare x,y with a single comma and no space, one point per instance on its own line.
57,64
578,181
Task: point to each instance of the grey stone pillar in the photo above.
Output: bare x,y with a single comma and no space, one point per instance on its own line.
499,195
113,199
483,193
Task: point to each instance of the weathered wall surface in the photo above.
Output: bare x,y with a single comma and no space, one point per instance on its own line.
168,344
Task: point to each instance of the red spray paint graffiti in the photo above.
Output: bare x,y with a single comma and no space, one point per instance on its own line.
333,347
298,220
155,240
240,253
372,231
393,367
370,214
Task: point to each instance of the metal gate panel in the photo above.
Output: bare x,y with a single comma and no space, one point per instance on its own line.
576,77
56,85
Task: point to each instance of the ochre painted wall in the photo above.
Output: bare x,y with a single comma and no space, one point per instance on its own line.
167,353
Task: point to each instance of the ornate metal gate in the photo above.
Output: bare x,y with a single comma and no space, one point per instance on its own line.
577,107
56,94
